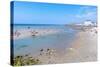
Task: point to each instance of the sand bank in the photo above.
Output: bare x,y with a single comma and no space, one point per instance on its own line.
21,33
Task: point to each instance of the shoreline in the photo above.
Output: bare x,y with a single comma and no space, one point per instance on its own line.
83,49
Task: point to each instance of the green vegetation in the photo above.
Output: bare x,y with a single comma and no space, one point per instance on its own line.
25,60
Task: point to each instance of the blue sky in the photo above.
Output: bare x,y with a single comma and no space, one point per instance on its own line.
47,13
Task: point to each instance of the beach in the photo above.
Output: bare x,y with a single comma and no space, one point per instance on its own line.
47,33
83,47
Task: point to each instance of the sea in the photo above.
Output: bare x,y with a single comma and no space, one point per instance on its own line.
59,41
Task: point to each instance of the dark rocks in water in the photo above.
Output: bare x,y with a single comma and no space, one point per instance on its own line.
33,34
48,49
26,55
22,46
41,50
36,32
37,60
40,54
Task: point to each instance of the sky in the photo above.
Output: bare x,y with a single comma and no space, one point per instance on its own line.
50,13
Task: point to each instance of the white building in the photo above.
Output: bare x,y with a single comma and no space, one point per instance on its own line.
88,23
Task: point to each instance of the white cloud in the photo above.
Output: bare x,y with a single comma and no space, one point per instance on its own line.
87,13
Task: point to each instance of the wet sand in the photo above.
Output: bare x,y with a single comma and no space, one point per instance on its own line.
83,49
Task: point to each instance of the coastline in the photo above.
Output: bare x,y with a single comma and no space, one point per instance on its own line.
84,48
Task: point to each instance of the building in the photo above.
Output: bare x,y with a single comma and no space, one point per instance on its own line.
88,23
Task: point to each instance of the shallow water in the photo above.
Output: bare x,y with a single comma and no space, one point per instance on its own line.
32,44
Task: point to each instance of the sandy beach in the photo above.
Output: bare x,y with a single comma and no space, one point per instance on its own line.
48,33
83,49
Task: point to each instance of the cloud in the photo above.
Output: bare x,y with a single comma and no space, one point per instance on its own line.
87,13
